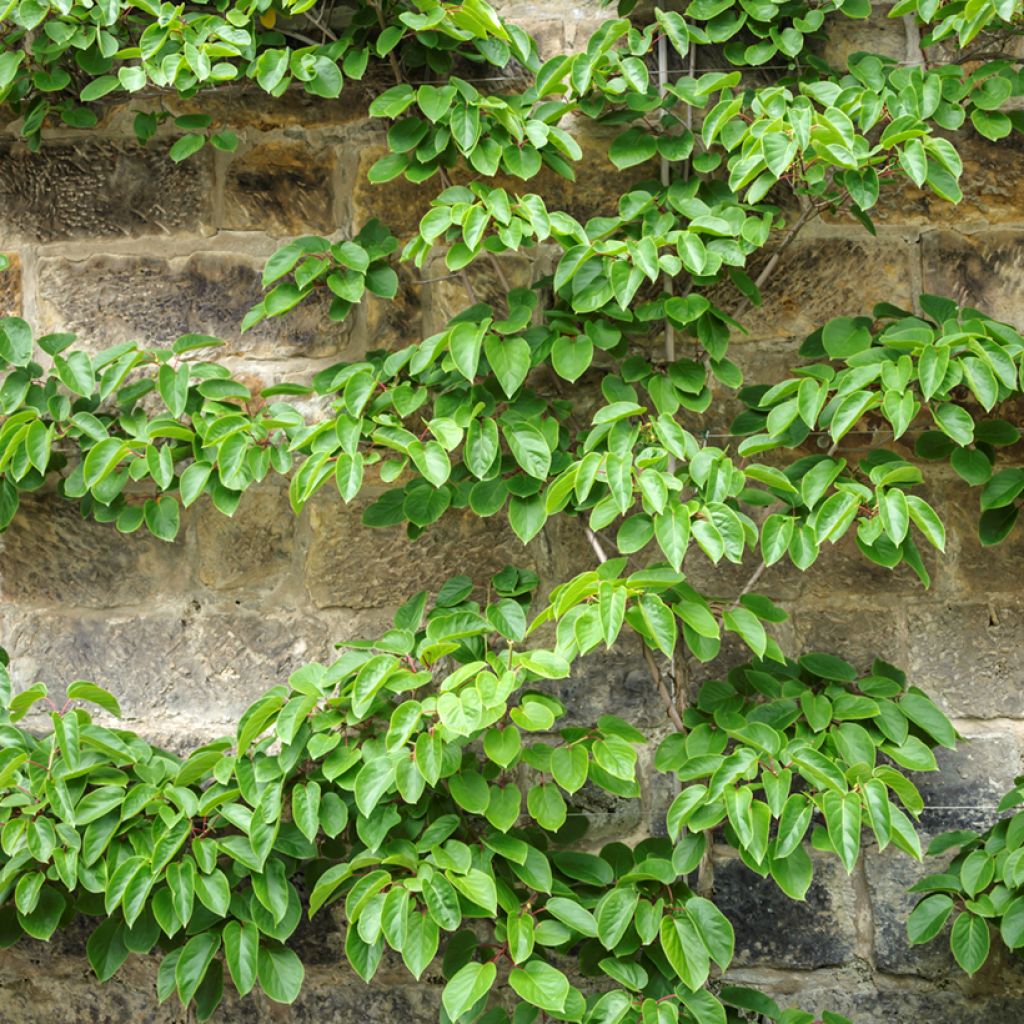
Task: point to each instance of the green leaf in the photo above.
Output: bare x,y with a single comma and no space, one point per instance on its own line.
15,341
241,951
196,957
467,987
547,806
106,949
928,917
541,985
509,358
613,914
970,941
685,951
632,147
280,972
81,690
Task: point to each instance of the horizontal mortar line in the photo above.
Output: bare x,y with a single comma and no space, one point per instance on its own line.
172,245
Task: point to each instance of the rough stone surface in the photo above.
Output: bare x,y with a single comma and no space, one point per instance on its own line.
984,270
51,555
776,931
821,276
967,656
253,549
172,671
100,189
970,782
344,567
282,188
155,299
10,287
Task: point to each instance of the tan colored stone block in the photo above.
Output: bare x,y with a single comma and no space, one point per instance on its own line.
252,549
967,655
820,278
283,188
107,299
984,270
356,567
101,189
52,556
10,287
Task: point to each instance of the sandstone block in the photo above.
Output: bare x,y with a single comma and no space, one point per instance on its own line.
774,931
101,189
970,782
283,188
10,287
52,556
179,675
820,278
156,300
983,270
349,565
967,656
252,549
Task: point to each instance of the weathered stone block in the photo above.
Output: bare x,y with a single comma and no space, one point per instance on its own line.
156,300
774,931
404,320
878,33
983,270
615,682
967,656
52,556
103,189
857,634
970,782
820,278
283,188
253,549
353,566
179,674
10,287
882,1000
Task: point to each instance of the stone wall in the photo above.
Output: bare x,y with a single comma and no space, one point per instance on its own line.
115,242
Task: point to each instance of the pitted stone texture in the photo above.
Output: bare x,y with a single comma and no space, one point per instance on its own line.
10,287
450,294
404,320
857,634
155,300
984,570
992,184
616,682
984,270
187,671
774,931
967,656
283,188
819,278
878,33
970,782
889,875
51,555
954,1000
357,567
253,548
101,189
42,983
